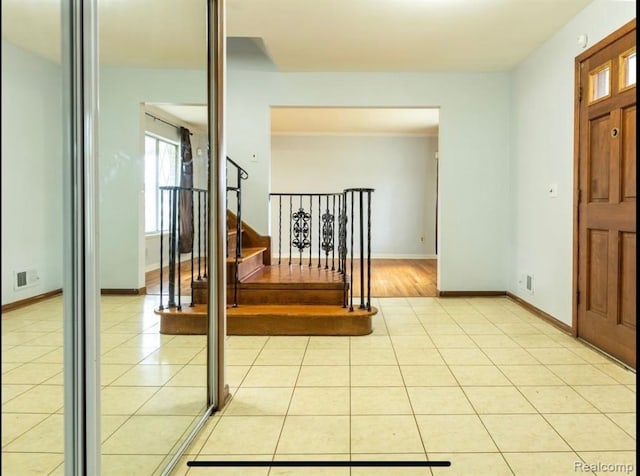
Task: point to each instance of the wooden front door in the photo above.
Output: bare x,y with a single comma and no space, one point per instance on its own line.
606,180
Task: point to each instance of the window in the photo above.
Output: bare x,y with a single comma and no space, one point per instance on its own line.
628,69
160,169
600,82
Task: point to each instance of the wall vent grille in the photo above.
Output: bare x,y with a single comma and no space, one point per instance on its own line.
529,283
26,278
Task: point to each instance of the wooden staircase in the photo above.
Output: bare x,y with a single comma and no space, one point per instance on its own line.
272,299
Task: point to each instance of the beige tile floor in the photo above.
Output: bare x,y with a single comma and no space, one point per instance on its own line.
479,382
153,388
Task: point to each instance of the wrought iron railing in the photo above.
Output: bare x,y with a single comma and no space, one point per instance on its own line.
334,227
236,187
182,240
323,223
192,240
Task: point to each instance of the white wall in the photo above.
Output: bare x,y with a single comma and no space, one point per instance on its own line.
122,91
541,235
401,169
31,171
473,151
490,197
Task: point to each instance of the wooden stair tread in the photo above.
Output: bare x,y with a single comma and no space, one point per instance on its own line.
187,310
291,310
290,274
247,253
248,283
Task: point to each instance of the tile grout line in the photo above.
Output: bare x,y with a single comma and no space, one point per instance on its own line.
406,390
293,391
476,411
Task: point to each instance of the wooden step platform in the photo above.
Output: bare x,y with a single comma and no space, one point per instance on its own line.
272,320
275,300
291,320
290,284
190,320
295,273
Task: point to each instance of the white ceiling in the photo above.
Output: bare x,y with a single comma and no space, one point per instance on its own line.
308,35
399,35
303,120
193,114
322,120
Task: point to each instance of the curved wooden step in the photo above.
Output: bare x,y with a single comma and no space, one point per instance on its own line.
190,320
272,320
293,320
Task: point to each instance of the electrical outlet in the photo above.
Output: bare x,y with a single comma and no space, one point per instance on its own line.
254,157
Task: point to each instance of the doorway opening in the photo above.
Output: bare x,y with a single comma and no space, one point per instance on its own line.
393,150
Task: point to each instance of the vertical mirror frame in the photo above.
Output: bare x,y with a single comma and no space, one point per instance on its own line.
80,255
217,391
79,46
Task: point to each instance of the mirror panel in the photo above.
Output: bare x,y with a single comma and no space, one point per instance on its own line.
153,188
32,244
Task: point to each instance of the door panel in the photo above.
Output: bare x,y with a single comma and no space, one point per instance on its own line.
600,150
606,248
597,273
627,295
628,185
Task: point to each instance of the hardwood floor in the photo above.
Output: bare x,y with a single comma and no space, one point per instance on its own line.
152,279
389,277
401,278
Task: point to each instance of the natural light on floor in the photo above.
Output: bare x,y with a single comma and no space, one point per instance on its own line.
480,382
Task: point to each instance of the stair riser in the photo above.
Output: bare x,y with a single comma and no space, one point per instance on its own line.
200,295
289,296
232,243
274,296
231,247
309,322
246,268
183,324
295,326
271,325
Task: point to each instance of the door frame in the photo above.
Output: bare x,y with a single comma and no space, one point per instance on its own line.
605,42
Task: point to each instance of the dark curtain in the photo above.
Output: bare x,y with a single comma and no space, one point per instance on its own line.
185,241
